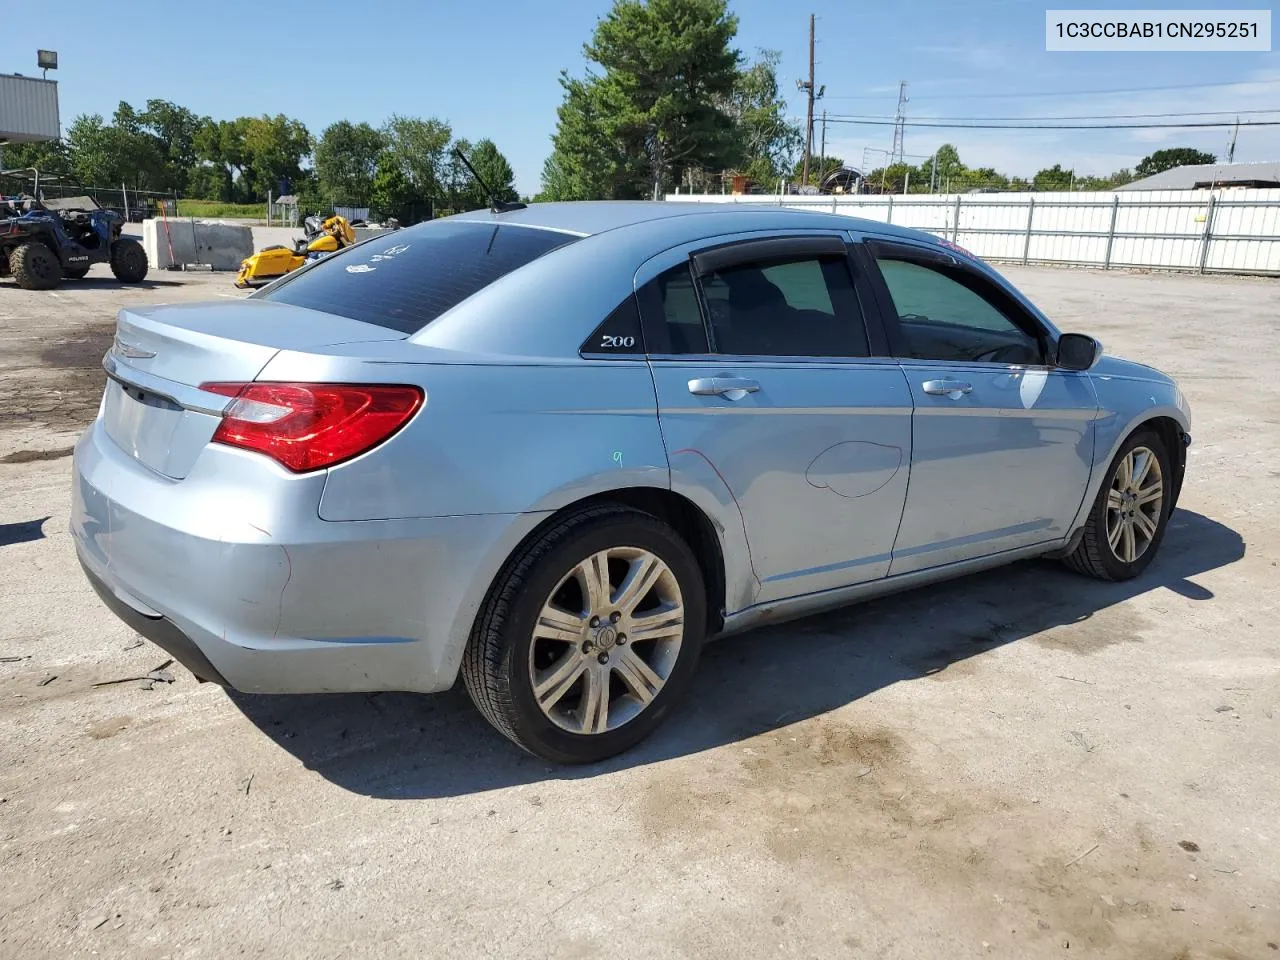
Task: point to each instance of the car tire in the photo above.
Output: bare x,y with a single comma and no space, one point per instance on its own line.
1125,527
75,273
35,267
128,261
520,670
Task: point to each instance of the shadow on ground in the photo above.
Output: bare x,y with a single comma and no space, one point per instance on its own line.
22,532
412,746
110,283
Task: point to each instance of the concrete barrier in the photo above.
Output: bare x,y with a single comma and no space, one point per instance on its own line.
217,243
285,236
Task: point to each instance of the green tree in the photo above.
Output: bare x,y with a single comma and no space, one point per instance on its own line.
104,154
1053,178
943,167
671,65
346,161
987,177
819,167
1167,159
892,179
419,149
393,195
494,170
204,182
590,159
173,129
50,158
274,149
221,144
767,142
658,105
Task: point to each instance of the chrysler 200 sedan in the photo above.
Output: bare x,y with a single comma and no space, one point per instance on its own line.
555,448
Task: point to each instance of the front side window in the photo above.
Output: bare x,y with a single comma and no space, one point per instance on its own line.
942,316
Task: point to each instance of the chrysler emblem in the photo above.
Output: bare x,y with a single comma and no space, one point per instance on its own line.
126,349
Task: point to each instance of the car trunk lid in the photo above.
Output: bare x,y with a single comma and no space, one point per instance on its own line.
153,407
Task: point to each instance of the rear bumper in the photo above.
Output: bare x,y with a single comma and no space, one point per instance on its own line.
160,631
232,571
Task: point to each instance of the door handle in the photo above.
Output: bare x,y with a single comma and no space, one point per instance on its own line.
731,388
946,388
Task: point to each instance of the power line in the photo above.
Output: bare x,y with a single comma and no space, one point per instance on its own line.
1099,116
1063,93
1060,126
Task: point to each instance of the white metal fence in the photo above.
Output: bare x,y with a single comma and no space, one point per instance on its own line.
1220,231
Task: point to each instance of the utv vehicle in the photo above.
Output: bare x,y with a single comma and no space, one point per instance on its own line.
43,241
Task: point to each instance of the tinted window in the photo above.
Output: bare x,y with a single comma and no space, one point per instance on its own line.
618,333
405,279
942,316
799,308
669,303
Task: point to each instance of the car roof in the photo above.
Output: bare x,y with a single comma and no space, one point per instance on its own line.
591,217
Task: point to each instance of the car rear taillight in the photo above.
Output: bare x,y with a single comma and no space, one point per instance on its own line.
306,426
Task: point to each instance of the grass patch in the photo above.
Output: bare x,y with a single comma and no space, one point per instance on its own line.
213,209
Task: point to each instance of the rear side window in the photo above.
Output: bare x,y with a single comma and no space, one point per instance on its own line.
405,279
671,300
797,308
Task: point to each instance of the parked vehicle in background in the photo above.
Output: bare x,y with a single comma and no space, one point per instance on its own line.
555,448
320,238
43,242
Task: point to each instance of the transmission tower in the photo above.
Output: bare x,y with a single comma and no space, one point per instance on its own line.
899,123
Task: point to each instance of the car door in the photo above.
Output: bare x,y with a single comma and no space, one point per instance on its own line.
1002,442
765,384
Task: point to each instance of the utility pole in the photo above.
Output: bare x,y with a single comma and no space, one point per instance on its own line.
808,126
822,163
899,122
1231,146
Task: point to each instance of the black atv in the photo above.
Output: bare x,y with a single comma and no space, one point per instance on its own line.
43,241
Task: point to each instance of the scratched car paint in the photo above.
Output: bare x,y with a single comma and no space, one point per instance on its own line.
554,448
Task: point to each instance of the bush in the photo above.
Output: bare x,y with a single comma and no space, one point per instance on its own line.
214,210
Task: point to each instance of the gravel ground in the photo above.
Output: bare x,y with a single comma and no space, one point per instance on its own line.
1019,764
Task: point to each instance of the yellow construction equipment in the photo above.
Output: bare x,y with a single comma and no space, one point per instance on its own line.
321,239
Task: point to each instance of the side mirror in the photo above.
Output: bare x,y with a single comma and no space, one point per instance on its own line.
1077,351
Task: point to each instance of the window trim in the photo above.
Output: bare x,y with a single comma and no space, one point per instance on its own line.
930,258
740,252
791,244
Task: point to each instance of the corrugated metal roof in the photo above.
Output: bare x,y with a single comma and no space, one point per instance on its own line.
1206,174
28,109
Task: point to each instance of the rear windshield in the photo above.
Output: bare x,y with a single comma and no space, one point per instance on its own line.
405,279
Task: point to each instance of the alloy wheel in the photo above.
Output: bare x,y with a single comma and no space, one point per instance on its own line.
1134,504
606,640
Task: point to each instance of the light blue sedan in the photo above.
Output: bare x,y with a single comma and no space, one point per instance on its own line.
555,448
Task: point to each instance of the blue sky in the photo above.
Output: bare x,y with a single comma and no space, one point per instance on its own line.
491,70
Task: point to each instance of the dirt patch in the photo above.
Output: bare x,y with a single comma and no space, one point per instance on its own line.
106,729
59,386
85,350
31,456
828,801
1097,631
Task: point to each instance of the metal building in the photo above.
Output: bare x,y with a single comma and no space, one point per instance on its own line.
1206,176
28,109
